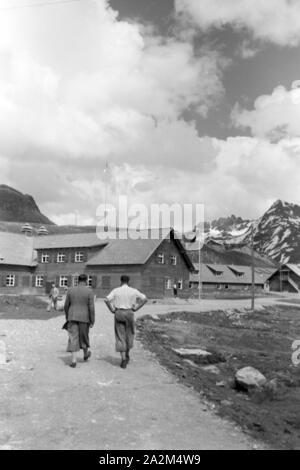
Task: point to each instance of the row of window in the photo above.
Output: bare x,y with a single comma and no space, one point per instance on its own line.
10,281
161,259
61,257
64,281
220,273
79,258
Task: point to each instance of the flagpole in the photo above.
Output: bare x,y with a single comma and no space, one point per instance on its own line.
252,270
199,271
105,195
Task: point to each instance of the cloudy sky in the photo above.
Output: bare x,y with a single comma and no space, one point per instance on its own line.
187,100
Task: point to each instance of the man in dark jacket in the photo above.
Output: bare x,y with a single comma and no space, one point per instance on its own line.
80,315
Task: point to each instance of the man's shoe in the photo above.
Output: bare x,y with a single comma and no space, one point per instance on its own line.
73,364
123,364
87,356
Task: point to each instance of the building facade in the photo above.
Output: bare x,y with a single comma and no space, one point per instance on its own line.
152,264
285,279
221,277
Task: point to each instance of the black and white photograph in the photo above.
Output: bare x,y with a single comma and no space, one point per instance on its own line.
149,228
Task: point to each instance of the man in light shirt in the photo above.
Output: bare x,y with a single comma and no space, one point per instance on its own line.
123,302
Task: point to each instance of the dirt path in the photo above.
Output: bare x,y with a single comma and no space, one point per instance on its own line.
44,404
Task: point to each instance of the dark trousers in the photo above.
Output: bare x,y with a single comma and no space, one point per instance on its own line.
78,336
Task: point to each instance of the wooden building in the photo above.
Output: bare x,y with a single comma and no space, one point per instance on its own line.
214,277
17,263
153,264
285,279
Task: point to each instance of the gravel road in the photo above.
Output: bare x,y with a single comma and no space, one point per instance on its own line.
44,404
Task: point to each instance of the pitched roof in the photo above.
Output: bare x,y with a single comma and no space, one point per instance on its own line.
125,249
125,252
294,267
73,240
16,249
228,275
135,251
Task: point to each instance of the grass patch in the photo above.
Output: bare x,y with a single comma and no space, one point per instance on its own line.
13,307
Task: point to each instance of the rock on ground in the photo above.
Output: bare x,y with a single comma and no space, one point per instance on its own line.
250,378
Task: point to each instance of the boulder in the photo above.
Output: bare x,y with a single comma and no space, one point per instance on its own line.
249,378
212,369
192,352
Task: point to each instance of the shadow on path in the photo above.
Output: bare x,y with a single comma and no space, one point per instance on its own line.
114,361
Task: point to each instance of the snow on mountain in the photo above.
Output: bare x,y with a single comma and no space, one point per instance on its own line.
276,234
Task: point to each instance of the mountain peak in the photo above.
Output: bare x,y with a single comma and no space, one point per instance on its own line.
5,187
18,207
276,233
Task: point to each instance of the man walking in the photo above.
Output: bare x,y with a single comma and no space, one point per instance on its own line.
54,296
80,315
175,289
123,302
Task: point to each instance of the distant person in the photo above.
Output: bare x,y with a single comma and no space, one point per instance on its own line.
54,293
175,289
80,315
123,302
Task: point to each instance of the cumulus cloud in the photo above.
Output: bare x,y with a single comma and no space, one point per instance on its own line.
246,50
78,87
274,117
251,173
276,21
117,81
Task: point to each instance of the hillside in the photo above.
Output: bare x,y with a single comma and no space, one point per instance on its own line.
18,207
217,253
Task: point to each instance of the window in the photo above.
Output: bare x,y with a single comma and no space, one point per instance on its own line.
75,280
45,258
105,282
215,271
39,281
226,286
78,256
237,273
179,284
173,260
10,280
61,257
168,283
161,258
63,281
90,281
